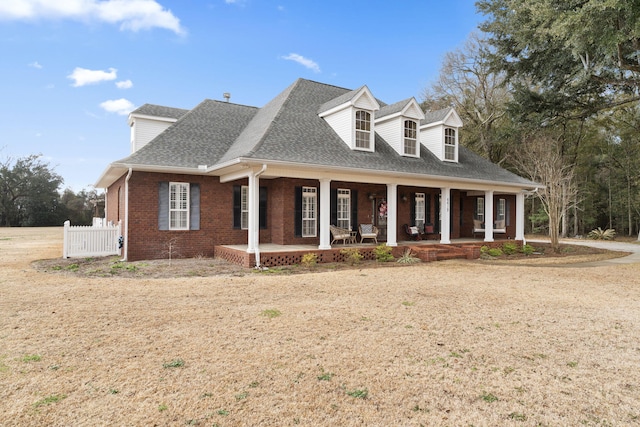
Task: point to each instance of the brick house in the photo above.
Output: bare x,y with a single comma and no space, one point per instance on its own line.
315,155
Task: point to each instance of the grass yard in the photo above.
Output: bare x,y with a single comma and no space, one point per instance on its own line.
449,343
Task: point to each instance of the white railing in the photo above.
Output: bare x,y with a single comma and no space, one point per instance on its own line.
86,241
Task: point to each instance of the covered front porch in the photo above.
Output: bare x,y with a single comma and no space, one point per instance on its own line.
288,212
274,255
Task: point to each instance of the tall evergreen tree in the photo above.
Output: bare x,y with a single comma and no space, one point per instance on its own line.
567,58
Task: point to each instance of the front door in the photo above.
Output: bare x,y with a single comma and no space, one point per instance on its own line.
379,216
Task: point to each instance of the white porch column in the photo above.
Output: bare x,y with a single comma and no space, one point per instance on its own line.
445,218
392,214
488,216
520,217
254,221
325,213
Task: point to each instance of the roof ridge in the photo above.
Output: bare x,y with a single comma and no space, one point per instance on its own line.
324,84
228,103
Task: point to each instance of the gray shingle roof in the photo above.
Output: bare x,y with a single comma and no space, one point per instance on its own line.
200,137
160,111
388,110
289,129
435,116
339,100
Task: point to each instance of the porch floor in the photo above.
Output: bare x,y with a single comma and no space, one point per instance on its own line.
272,247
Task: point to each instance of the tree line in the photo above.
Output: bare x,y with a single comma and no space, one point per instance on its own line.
549,89
30,196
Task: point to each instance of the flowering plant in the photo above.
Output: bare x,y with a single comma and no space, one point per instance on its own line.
382,209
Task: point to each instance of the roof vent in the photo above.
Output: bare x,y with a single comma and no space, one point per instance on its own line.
226,96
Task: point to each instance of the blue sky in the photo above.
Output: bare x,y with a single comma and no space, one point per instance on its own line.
73,69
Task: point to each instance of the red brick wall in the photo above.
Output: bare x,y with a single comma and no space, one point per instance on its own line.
115,201
146,241
277,210
469,205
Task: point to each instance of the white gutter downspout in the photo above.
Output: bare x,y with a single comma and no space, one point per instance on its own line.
256,222
126,215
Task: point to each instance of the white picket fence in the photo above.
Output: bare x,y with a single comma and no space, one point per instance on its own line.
86,241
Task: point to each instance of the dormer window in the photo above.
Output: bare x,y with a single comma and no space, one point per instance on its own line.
410,137
351,115
363,130
450,144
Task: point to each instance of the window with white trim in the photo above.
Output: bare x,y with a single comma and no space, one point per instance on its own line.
501,210
309,210
244,207
178,206
449,144
480,209
410,138
363,129
344,208
420,211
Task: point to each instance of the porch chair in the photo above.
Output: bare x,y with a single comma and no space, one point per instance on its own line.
412,232
338,233
478,227
368,231
500,227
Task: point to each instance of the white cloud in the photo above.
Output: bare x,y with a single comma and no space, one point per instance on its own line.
306,62
83,76
132,15
119,106
35,64
124,84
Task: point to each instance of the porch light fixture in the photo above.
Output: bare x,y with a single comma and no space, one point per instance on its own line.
372,196
404,198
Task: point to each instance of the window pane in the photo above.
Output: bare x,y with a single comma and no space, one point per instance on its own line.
449,152
178,206
501,209
419,218
449,144
410,136
178,220
363,129
309,211
410,146
480,209
244,207
344,208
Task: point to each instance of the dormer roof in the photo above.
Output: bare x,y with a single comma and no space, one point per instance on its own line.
359,98
446,116
407,108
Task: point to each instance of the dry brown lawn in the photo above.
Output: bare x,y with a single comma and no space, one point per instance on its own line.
449,343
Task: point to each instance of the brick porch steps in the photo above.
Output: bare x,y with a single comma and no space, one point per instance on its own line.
444,252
